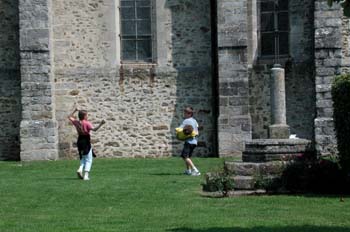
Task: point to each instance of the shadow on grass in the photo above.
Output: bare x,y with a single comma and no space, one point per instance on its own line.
305,228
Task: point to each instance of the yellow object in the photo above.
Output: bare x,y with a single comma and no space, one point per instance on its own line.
181,136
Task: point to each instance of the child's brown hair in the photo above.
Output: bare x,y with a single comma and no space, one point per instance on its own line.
82,114
189,110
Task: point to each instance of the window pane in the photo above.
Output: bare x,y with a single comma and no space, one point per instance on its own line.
144,50
143,3
129,50
283,43
267,22
128,13
267,6
136,40
282,4
143,13
143,27
267,44
127,3
283,21
128,28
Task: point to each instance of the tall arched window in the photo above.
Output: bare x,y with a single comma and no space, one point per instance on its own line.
274,28
136,33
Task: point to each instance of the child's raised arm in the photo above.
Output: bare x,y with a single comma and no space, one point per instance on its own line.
71,116
99,126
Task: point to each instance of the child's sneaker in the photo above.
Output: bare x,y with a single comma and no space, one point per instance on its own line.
86,176
195,173
80,174
187,172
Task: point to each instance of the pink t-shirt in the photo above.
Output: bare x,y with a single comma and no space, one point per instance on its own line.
83,127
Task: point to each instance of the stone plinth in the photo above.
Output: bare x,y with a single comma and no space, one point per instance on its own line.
264,150
279,131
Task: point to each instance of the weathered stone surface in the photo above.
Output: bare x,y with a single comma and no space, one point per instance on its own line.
244,182
70,55
274,168
328,42
279,131
264,150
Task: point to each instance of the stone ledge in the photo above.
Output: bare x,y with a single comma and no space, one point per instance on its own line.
265,150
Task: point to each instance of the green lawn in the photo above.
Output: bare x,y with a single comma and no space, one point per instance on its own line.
149,195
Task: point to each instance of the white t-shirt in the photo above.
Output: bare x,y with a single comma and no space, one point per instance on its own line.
194,124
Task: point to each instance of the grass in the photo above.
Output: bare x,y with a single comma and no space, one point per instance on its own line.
149,195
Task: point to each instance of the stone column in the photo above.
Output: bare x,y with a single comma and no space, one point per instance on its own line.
234,123
328,59
38,129
279,128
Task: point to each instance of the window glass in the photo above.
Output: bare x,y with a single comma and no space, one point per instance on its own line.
283,43
129,49
267,6
274,27
143,13
267,22
282,4
136,31
145,48
267,44
128,13
143,3
124,3
128,28
143,28
283,21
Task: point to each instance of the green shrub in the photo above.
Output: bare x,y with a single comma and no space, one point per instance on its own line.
219,182
341,106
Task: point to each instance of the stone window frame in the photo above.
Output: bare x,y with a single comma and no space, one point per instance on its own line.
269,59
153,59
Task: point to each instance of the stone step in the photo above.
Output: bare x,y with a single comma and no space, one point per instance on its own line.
266,150
274,168
253,183
244,182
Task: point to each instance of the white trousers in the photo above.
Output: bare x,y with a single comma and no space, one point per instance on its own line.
86,161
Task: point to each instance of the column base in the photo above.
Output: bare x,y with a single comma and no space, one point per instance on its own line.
279,131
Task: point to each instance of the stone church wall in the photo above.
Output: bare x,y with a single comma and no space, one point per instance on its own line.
142,104
10,85
299,69
346,45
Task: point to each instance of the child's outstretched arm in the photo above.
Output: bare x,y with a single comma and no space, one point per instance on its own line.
71,116
99,126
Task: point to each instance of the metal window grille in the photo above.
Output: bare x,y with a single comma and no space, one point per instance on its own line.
274,28
136,31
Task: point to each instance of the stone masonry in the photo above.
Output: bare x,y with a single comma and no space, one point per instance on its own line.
328,59
142,103
59,54
38,132
234,122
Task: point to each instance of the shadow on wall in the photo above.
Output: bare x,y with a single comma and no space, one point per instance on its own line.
10,81
192,60
304,228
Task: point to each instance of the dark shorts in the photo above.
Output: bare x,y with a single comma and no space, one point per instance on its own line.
84,145
188,150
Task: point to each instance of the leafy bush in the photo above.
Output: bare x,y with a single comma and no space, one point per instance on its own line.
218,182
341,105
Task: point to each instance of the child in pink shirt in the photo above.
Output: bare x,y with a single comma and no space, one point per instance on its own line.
83,127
